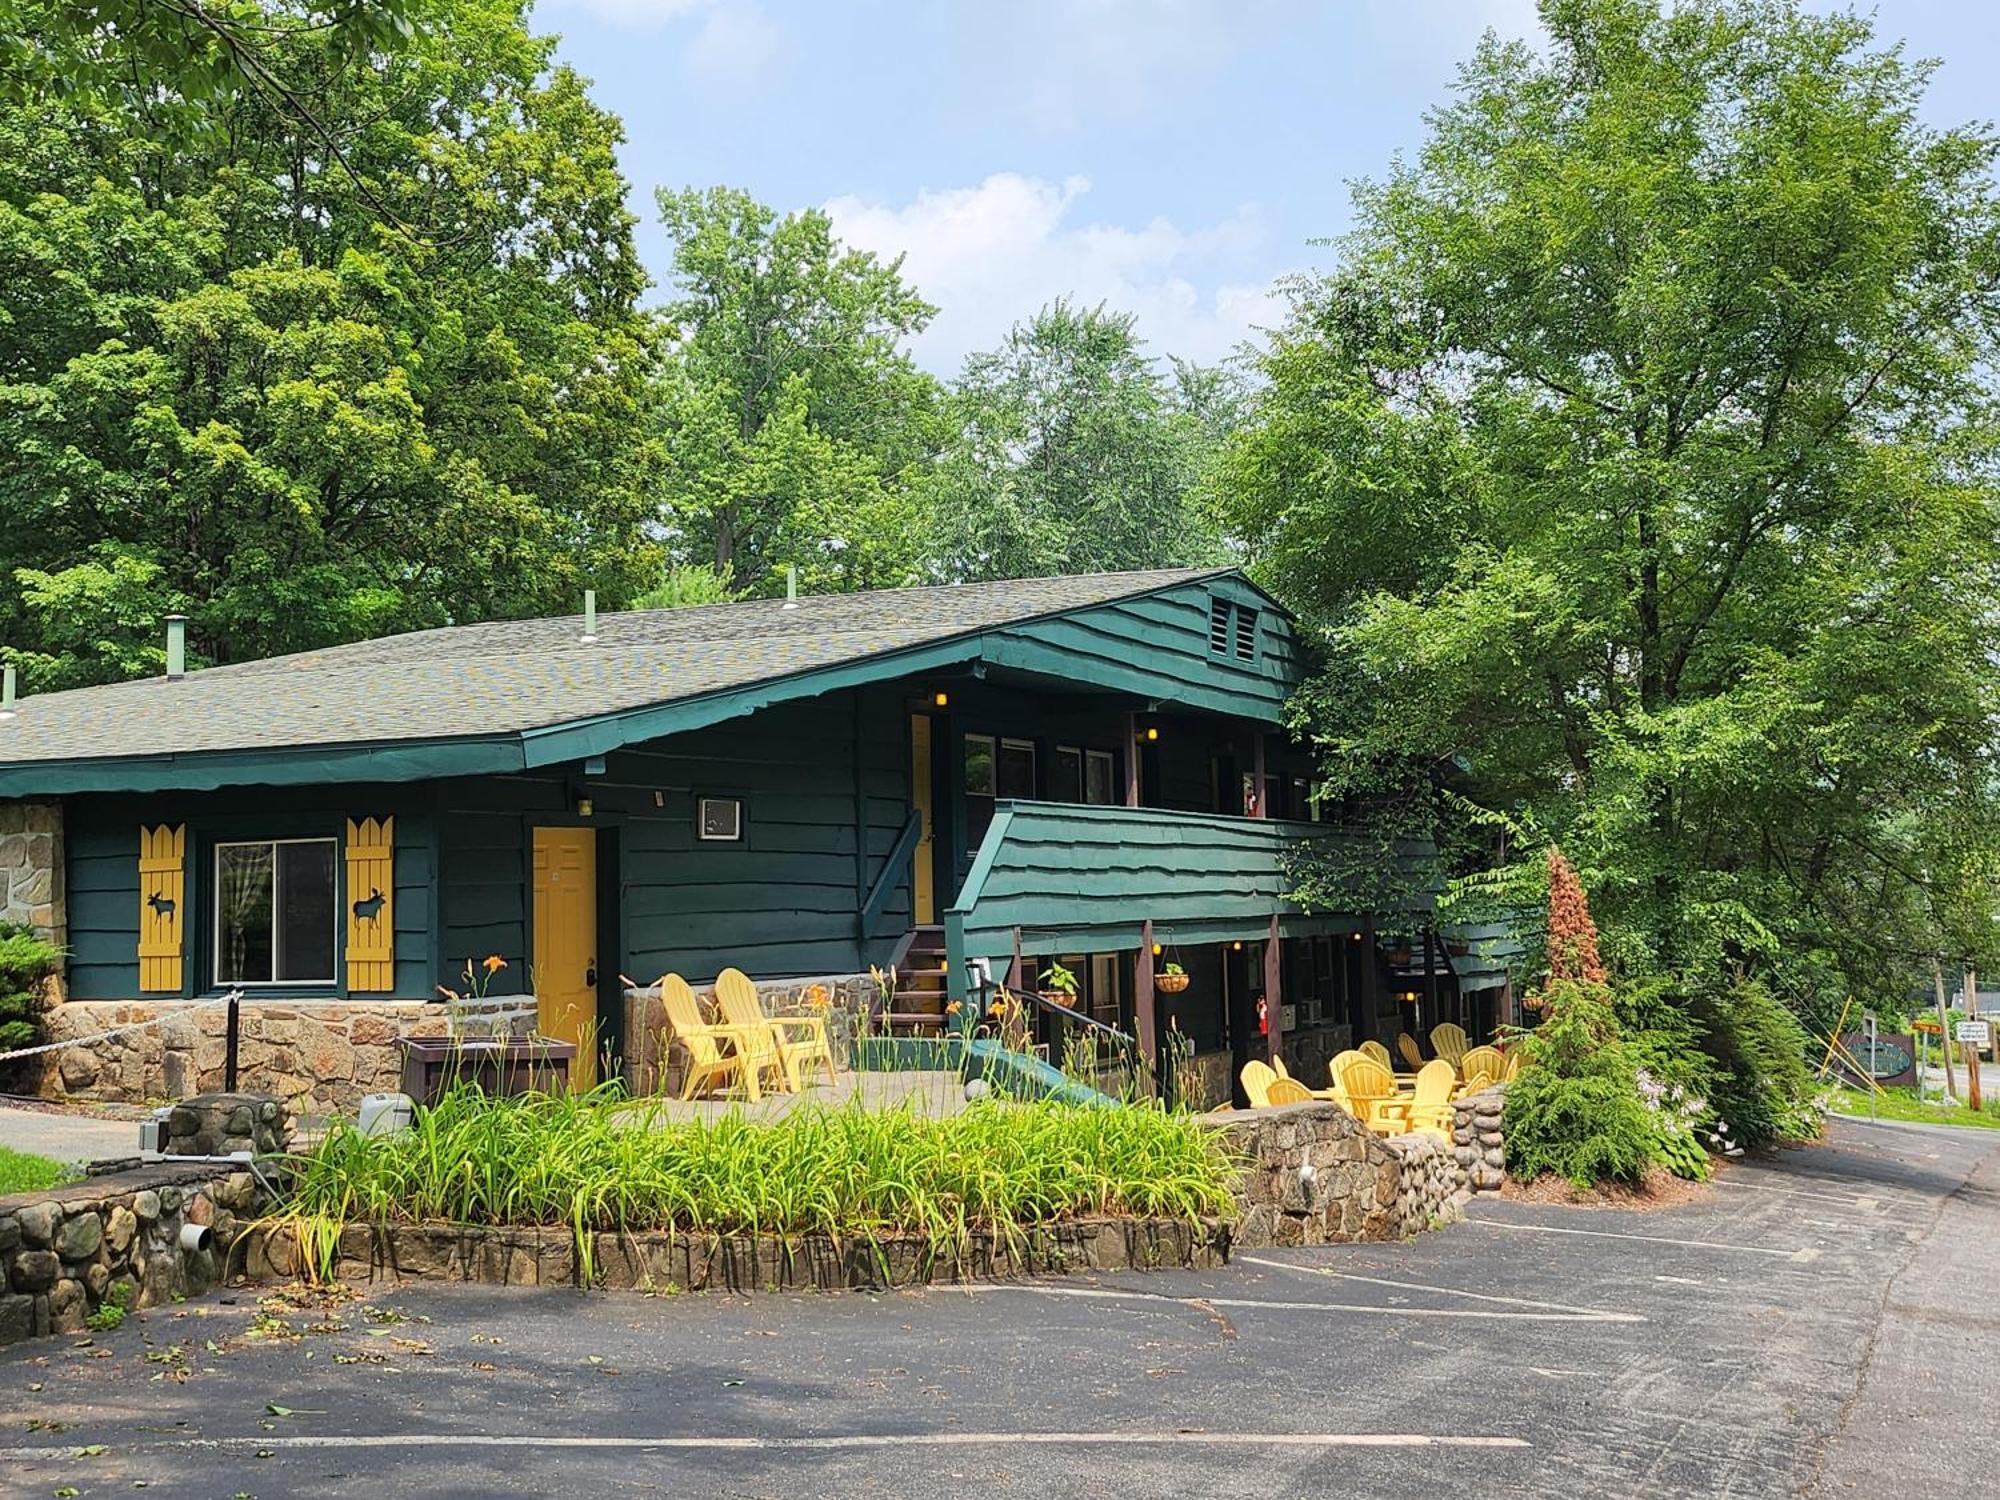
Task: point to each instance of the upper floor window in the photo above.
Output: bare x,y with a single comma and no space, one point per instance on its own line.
1080,775
276,913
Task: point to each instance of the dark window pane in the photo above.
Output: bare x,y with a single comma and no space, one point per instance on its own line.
1016,771
1066,776
243,913
1100,784
978,766
305,911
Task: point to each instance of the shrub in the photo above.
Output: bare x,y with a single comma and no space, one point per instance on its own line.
26,964
1763,1089
595,1162
1575,1108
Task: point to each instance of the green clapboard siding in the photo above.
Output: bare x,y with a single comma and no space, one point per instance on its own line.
101,855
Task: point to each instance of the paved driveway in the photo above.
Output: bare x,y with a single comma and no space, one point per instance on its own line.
67,1137
1796,1330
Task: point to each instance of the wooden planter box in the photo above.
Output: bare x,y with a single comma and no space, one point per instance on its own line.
514,1065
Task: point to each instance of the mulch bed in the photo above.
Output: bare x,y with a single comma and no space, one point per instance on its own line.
1659,1189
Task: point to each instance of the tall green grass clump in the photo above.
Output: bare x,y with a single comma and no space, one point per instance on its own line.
596,1162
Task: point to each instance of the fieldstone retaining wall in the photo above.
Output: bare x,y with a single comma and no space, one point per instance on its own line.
314,1059
223,1124
31,868
740,1263
115,1238
1479,1146
1314,1175
655,1064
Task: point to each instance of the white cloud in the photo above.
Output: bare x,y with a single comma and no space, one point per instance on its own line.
990,255
734,44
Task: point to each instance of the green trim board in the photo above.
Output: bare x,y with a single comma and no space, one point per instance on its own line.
1142,635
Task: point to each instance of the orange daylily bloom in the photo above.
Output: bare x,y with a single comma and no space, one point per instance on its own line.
495,963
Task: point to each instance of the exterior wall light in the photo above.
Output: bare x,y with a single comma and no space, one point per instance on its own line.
941,698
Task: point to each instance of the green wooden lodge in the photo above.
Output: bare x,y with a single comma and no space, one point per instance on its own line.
966,782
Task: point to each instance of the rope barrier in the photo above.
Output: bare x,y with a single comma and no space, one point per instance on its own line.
98,1036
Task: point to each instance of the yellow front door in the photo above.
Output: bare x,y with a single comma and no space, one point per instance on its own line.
565,958
923,883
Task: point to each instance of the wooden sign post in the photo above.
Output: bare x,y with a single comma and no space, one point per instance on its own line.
1972,1035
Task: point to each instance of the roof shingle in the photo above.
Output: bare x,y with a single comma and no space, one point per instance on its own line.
515,675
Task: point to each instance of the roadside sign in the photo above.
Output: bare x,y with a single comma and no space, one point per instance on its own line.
1927,1023
1979,1033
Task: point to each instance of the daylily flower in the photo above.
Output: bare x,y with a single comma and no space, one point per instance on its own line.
495,963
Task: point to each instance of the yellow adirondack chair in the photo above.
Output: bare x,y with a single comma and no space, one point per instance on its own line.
1257,1080
708,1062
1372,1095
1430,1102
1407,1045
1285,1076
1514,1059
797,1041
1288,1091
1481,1068
1448,1042
1379,1052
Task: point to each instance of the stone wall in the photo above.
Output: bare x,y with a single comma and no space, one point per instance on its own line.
1309,1053
31,868
685,1262
655,1064
1314,1175
313,1058
115,1238
1479,1147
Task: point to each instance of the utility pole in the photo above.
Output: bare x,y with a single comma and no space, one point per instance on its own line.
1971,1048
1944,1033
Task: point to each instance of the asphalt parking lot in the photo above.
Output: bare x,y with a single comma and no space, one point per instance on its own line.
1804,1327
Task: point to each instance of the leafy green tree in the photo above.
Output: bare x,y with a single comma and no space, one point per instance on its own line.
310,401
792,419
1075,453
1639,456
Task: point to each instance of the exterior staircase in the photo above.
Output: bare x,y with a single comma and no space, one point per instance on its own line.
920,983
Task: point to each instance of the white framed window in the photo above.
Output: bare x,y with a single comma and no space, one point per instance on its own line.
277,911
1014,769
718,820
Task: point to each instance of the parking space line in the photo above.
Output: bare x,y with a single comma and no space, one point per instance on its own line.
1165,1299
1870,1204
1168,1437
1800,1257
1586,1314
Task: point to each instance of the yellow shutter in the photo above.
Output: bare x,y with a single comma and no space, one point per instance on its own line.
162,903
371,905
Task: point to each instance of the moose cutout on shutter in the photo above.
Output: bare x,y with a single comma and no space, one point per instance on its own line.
371,917
162,890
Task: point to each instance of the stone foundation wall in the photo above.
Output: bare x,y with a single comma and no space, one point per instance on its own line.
1479,1147
115,1238
655,1064
1314,1175
314,1059
31,868
1308,1053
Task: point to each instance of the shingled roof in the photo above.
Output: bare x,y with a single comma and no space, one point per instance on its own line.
509,678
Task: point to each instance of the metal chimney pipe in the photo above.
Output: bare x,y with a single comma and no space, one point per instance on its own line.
791,585
7,686
177,650
589,615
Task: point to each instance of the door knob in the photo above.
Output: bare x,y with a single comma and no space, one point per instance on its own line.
590,973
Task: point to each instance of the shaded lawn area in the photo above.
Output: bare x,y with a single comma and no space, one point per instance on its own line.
1902,1104
21,1172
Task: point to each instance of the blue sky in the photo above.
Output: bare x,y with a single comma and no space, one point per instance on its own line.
1172,157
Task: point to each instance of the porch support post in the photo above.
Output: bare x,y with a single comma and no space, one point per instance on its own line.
1132,778
1014,968
1430,979
1257,781
1274,991
1144,1021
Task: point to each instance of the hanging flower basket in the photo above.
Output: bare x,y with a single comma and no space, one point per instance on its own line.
1170,984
